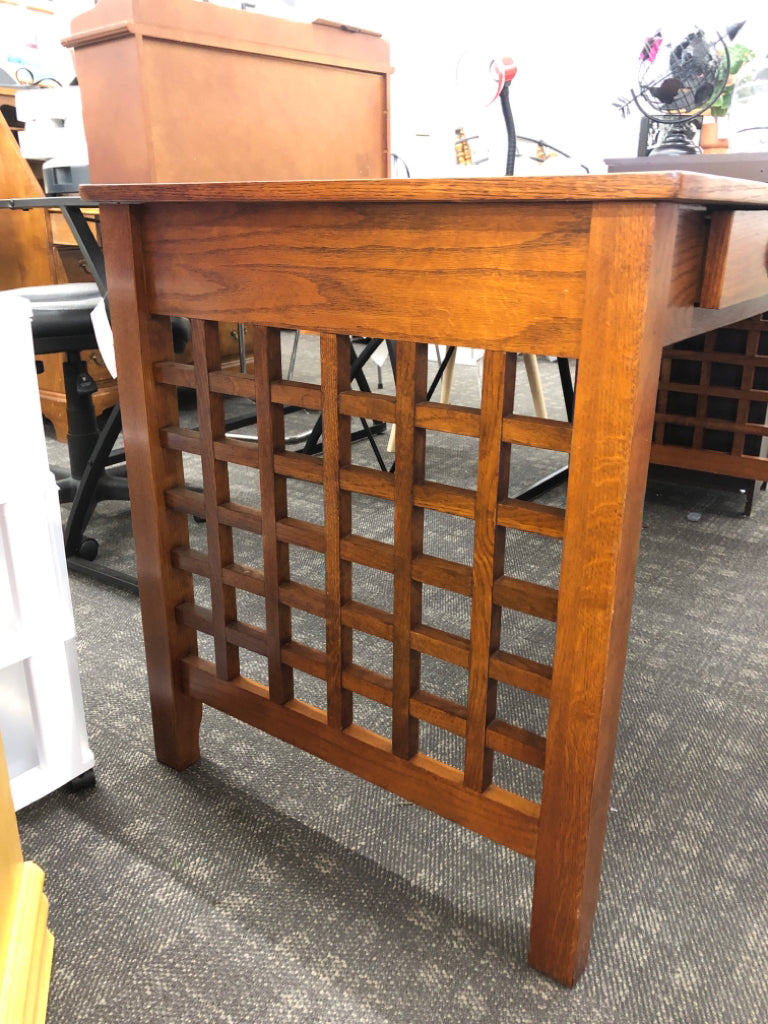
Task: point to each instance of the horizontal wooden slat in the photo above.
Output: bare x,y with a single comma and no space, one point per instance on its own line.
367,405
243,634
449,419
305,659
743,394
196,616
440,711
364,551
305,535
529,598
181,499
504,817
243,577
759,429
235,384
298,393
181,439
243,517
305,598
439,572
545,520
515,742
362,480
298,466
455,501
692,355
437,643
523,673
553,435
185,439
180,375
190,560
367,683
367,619
750,467
241,453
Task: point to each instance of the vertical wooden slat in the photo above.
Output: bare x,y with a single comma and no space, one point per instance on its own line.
704,381
206,353
409,539
147,408
628,289
747,384
662,398
335,377
487,562
274,507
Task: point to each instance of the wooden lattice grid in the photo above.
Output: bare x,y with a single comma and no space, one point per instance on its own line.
488,742
712,407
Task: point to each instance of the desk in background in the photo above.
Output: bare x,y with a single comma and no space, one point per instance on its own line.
606,270
712,388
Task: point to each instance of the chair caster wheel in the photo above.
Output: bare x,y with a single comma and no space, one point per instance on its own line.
88,549
85,781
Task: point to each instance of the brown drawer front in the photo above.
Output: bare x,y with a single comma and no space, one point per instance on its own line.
736,267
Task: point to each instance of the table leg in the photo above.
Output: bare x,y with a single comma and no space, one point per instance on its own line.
631,249
148,407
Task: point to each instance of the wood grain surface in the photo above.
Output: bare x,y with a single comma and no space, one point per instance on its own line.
604,270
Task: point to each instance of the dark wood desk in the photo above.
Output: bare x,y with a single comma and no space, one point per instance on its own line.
606,270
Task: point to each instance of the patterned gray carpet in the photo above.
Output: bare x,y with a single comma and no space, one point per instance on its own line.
264,887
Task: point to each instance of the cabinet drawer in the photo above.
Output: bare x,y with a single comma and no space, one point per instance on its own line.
736,264
60,233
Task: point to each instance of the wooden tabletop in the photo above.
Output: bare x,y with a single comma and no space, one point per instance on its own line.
673,186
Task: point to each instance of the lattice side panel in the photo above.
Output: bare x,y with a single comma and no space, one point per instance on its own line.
259,596
712,407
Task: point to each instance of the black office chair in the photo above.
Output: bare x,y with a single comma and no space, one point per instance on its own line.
61,322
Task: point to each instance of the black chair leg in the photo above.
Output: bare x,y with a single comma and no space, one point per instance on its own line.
95,484
89,448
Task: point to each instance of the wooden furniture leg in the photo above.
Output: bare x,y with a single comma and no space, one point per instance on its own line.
618,374
148,408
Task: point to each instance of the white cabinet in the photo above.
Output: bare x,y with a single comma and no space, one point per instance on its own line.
41,707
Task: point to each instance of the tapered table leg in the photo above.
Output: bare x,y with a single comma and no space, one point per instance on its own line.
618,374
140,341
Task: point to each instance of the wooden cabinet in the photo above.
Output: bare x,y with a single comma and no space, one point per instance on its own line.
206,93
25,252
26,944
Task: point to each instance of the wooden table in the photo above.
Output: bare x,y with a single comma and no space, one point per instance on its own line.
607,270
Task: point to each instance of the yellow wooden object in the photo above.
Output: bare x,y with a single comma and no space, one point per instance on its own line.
26,945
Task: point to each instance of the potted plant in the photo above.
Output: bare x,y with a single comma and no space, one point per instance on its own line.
713,137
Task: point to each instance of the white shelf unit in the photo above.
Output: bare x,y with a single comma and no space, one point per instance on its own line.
41,707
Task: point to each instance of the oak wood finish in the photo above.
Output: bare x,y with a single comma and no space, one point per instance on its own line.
738,258
26,944
25,255
605,270
712,403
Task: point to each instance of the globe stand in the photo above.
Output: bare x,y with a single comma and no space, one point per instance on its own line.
678,140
